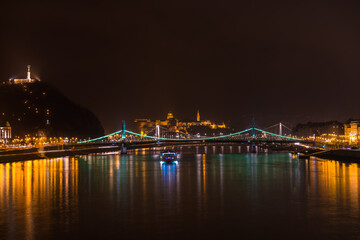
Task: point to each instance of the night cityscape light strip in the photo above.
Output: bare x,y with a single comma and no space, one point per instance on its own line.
99,138
277,135
189,139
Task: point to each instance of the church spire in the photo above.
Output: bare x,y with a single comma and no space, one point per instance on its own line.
198,116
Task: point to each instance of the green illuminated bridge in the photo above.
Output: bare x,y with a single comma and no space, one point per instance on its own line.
160,136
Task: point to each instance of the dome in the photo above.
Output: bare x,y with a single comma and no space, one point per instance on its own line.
170,115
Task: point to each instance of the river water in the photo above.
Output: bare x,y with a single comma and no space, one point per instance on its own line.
203,196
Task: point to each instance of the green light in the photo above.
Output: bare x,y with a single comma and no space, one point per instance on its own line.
298,139
189,139
99,138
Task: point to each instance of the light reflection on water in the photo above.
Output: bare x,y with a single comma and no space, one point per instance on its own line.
29,191
207,195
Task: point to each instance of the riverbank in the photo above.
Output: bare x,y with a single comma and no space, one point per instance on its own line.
344,155
341,155
13,155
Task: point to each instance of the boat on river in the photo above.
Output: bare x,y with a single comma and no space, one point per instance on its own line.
168,156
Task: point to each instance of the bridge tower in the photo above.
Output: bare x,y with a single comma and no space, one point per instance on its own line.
253,146
157,131
280,129
123,137
123,133
253,129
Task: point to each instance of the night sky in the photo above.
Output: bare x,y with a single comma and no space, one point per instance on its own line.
289,61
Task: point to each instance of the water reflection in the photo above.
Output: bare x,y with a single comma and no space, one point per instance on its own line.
32,192
336,182
139,196
171,187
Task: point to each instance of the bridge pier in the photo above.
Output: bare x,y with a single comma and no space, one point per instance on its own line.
253,148
123,148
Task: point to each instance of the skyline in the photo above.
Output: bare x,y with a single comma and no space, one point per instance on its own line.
250,117
290,62
180,119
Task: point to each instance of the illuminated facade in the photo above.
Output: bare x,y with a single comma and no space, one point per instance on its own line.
174,125
28,78
5,132
352,131
311,129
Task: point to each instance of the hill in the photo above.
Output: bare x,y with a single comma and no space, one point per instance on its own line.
40,109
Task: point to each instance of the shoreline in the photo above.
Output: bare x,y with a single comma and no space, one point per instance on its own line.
351,156
35,153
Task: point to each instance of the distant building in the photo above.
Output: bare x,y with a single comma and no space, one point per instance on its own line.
5,132
318,128
352,131
28,79
144,125
174,125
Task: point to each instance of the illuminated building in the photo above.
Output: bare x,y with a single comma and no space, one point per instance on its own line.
174,125
144,125
5,132
352,130
318,129
28,78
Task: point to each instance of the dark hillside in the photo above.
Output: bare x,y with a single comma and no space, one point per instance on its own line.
40,109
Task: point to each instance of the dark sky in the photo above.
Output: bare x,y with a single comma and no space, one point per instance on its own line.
289,61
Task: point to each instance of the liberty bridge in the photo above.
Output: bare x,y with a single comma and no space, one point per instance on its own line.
160,136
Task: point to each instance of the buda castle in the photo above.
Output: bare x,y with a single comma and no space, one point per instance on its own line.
174,125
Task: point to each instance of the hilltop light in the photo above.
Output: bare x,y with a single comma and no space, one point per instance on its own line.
28,78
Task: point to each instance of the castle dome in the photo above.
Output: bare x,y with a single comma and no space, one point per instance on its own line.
170,116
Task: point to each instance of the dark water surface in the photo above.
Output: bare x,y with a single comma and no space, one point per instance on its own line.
204,196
